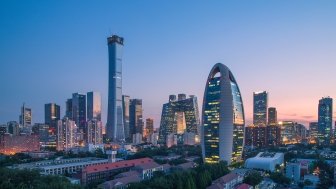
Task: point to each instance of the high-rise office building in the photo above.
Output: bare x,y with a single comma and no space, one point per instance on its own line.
135,116
94,132
272,116
223,117
273,135
13,128
149,127
288,134
179,116
66,134
115,122
52,114
68,108
79,110
313,132
94,106
126,117
300,131
260,108
256,136
26,117
325,111
42,130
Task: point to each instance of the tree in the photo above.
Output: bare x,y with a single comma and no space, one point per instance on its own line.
253,178
279,178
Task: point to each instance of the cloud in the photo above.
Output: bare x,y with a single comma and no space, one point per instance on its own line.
308,117
292,115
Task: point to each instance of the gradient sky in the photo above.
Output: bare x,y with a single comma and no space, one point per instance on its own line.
50,49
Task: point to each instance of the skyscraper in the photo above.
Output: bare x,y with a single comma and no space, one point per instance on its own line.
68,108
115,122
272,116
325,111
256,136
223,117
26,117
13,128
94,132
313,132
135,117
260,108
51,114
179,116
288,134
149,127
93,106
66,134
126,116
79,110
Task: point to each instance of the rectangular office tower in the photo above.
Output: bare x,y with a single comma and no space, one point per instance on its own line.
325,120
51,114
135,117
93,106
26,117
115,122
79,110
260,108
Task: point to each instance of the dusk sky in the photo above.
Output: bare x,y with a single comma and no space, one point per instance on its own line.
51,49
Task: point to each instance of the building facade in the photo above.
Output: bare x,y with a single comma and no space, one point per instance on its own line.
79,110
325,112
94,106
52,113
313,132
66,134
126,116
223,117
179,116
135,116
94,132
115,122
260,103
272,116
149,127
26,117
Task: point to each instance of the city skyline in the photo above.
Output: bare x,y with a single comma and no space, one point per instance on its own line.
296,72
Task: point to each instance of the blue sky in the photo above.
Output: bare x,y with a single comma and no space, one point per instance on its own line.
50,49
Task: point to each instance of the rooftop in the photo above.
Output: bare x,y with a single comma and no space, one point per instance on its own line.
117,165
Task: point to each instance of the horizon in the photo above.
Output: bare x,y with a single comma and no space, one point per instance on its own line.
45,59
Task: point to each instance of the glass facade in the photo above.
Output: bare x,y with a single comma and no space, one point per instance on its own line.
79,110
115,121
126,116
211,120
325,120
238,122
93,106
223,117
179,116
51,114
260,108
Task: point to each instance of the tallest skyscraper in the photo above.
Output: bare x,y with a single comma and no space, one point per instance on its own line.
115,125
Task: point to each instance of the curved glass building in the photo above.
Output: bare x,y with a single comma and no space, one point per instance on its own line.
222,117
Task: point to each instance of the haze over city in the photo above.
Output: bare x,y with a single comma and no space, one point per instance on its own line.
50,50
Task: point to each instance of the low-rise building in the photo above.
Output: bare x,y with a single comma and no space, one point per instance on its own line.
60,166
229,181
108,171
244,186
121,181
265,161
